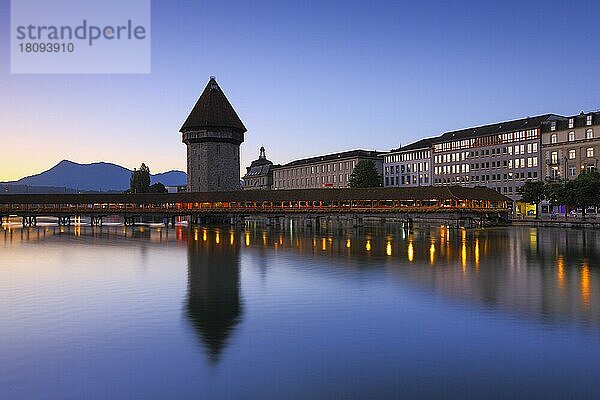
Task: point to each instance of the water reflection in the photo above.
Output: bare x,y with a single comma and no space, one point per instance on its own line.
434,313
549,275
214,304
545,274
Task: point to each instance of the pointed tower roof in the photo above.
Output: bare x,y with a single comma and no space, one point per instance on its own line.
212,110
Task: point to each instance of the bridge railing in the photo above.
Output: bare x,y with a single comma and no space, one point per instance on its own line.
257,207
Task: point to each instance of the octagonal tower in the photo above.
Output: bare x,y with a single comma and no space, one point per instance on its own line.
213,133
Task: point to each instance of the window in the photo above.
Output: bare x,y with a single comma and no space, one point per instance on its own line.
571,136
589,134
553,125
572,171
571,154
553,138
571,122
588,120
589,152
554,157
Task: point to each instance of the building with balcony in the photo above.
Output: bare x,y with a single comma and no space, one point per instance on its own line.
331,170
570,146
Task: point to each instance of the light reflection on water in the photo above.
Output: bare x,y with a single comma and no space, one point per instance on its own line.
262,313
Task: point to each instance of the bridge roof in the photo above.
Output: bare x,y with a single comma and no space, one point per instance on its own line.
212,110
409,193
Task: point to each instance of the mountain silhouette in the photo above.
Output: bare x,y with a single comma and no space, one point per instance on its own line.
98,176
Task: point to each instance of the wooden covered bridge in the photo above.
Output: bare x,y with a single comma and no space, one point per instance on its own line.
432,202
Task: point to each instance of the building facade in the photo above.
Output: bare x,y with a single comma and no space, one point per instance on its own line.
501,156
213,133
409,165
259,175
332,170
570,146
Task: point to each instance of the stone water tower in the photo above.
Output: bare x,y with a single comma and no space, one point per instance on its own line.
213,133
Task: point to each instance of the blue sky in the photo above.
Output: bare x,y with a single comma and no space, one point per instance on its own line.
308,78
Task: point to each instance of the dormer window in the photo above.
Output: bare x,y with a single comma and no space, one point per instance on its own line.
571,122
588,120
553,125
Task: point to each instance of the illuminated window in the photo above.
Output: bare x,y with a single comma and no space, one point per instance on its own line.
571,154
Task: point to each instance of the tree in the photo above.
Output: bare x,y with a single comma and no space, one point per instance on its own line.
584,191
533,193
140,180
158,188
556,194
365,175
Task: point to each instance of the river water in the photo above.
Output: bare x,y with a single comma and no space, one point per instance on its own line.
269,313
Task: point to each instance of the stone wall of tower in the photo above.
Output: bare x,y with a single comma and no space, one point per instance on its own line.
213,166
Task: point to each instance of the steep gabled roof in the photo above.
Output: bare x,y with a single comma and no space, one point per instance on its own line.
212,110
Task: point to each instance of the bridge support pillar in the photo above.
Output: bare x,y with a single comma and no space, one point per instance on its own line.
64,221
196,220
96,220
166,220
407,224
129,220
29,221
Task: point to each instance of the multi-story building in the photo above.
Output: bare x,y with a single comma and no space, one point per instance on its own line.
570,146
409,165
259,175
502,156
332,170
